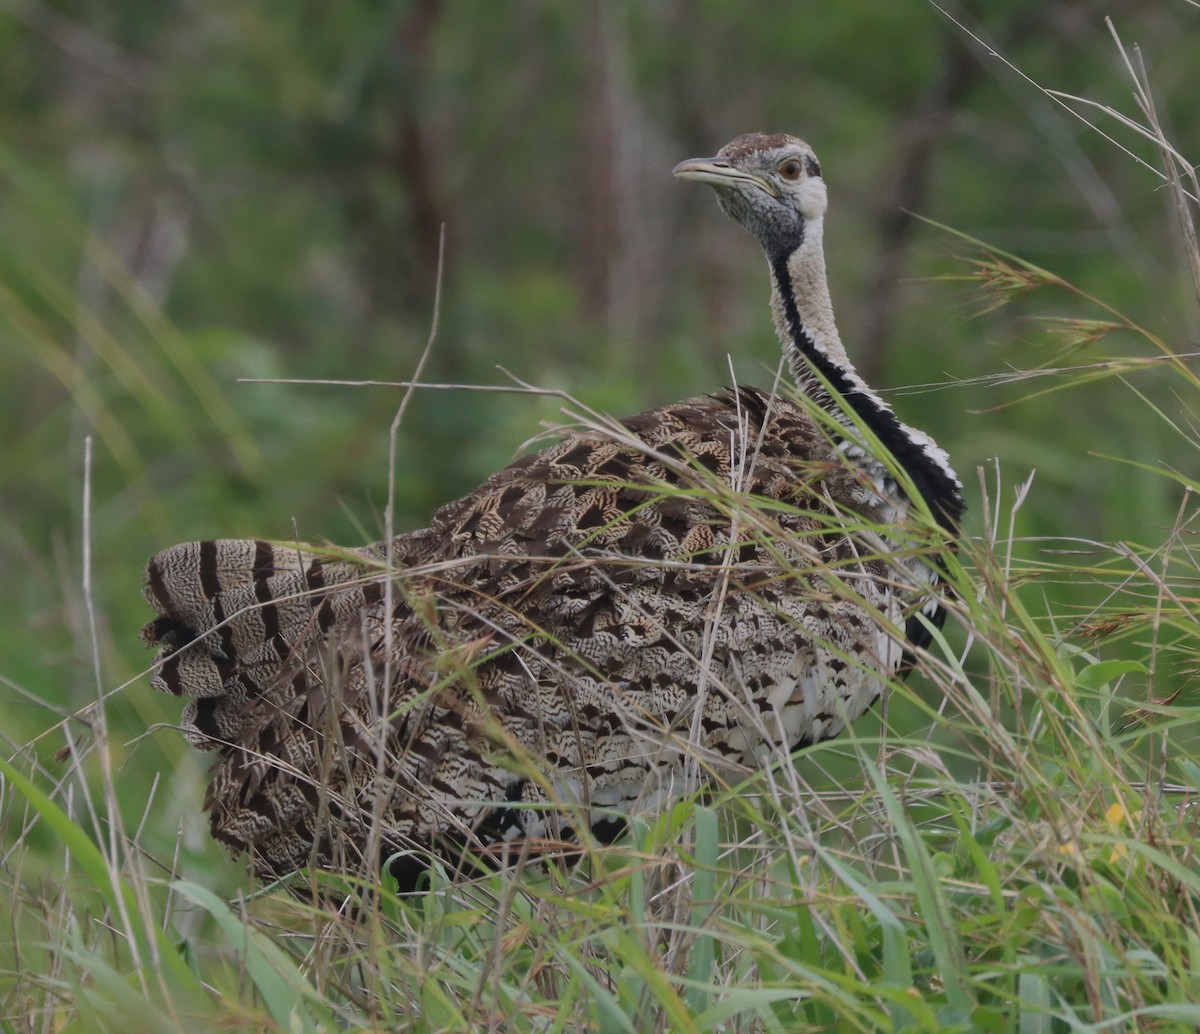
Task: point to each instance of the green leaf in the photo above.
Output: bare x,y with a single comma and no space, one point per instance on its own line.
274,974
1102,673
703,950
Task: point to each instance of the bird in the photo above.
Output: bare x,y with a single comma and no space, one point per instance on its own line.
635,611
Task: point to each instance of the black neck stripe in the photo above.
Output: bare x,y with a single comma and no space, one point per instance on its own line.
937,488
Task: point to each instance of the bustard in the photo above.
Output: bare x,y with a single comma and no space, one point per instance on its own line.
594,625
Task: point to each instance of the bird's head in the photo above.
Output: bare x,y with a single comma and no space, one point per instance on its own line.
769,182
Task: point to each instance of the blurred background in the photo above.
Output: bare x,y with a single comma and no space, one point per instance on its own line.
198,193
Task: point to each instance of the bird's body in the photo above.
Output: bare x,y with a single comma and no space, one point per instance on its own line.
591,629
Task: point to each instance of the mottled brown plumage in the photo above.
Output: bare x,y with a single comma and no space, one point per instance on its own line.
585,635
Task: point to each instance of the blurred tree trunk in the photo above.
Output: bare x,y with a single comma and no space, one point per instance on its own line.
598,224
906,192
413,156
388,177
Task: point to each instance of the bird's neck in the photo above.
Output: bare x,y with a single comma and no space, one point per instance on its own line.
804,321
803,315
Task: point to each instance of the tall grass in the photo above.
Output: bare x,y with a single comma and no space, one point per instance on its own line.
1010,846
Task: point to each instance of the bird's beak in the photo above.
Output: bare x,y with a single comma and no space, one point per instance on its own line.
717,172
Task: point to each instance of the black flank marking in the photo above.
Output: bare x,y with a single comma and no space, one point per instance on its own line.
498,820
225,651
614,467
264,560
206,721
408,870
210,582
158,588
314,579
449,789
508,499
592,517
576,457
270,616
803,742
232,670
754,401
607,830
169,632
918,637
168,673
429,751
324,614
675,526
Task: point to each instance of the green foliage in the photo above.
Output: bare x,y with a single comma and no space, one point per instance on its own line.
194,197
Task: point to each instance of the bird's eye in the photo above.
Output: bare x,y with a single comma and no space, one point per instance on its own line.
791,169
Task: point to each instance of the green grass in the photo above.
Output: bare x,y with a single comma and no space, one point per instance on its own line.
1011,846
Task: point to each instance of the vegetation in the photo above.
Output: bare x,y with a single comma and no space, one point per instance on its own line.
196,198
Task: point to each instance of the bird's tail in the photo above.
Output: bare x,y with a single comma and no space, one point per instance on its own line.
235,615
